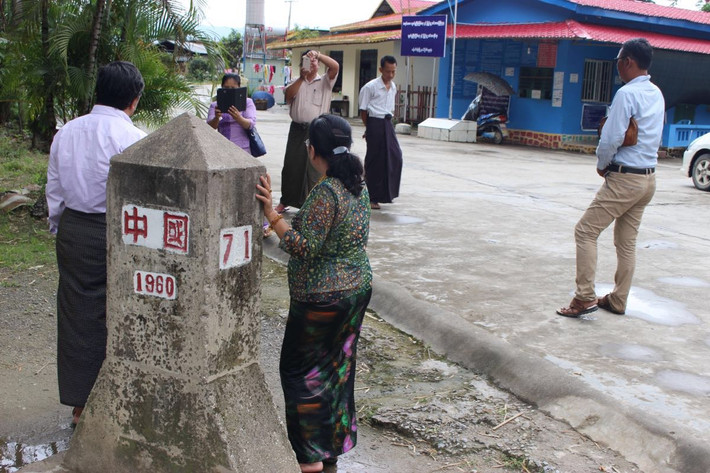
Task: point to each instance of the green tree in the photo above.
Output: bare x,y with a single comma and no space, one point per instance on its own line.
200,70
54,48
302,33
232,46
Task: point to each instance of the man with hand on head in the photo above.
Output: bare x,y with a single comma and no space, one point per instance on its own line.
308,97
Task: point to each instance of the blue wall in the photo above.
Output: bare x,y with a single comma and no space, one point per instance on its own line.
508,56
497,56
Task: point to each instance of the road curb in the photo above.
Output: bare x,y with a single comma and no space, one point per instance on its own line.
652,445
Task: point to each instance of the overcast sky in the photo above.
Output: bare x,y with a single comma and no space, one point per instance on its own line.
320,14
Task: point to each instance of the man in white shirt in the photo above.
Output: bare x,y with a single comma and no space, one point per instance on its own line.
308,97
629,181
76,196
383,160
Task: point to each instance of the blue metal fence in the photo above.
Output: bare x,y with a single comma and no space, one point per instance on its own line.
681,134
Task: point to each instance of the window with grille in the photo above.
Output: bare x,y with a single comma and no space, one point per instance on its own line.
536,82
596,85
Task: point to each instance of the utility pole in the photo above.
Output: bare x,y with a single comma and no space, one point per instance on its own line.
288,24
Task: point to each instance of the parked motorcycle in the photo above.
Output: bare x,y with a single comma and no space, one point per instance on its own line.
490,125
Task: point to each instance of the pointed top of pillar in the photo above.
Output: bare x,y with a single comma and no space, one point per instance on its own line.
187,142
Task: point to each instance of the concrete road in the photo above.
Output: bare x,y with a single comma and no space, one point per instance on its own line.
478,252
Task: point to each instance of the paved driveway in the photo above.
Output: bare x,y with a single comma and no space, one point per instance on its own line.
484,234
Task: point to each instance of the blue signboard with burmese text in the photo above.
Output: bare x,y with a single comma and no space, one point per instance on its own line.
423,35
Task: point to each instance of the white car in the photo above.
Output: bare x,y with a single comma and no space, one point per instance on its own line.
696,162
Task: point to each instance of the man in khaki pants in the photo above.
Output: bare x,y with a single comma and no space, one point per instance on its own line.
629,181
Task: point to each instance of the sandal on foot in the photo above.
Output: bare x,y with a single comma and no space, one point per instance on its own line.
281,208
605,304
375,206
577,308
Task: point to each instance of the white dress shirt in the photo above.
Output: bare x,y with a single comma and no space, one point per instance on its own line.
376,99
79,160
640,99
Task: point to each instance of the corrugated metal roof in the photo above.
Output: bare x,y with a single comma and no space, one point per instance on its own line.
409,7
647,9
345,38
571,29
568,29
376,22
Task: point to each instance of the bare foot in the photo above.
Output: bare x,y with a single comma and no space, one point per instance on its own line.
316,467
76,412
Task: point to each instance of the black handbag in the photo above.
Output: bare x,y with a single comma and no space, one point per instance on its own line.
256,146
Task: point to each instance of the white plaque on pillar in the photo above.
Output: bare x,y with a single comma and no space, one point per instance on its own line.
155,284
235,246
154,228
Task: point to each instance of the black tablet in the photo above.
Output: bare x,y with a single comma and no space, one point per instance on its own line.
228,97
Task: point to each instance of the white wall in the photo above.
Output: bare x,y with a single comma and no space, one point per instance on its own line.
420,75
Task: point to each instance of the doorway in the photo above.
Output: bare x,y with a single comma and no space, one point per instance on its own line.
368,66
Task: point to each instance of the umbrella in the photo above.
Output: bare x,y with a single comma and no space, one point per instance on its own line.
496,84
262,95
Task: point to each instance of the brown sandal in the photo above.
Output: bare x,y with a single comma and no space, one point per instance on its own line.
577,308
604,303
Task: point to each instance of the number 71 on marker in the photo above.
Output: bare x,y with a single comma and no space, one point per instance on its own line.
235,246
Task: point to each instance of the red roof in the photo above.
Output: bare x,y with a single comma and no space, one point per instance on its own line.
568,29
571,29
647,9
409,7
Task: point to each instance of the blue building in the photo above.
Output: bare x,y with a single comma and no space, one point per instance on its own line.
558,57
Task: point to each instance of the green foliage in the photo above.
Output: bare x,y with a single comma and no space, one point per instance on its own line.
25,241
20,166
302,33
232,46
706,7
200,70
54,73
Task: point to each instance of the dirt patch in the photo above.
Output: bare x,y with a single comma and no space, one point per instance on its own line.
418,411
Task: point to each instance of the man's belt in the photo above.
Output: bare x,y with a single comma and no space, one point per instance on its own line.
624,169
386,117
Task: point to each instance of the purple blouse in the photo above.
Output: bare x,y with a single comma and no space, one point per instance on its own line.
232,130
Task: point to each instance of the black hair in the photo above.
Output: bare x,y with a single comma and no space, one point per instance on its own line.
388,60
640,51
118,84
234,77
326,134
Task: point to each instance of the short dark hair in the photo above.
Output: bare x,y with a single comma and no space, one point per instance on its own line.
234,77
331,138
387,60
118,84
640,50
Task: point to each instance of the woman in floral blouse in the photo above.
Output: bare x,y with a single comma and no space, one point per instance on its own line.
329,278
